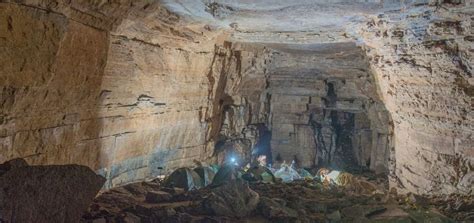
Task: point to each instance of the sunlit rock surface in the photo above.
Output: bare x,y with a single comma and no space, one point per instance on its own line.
127,87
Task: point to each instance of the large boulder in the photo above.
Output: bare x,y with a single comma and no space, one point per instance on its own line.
12,164
47,193
233,199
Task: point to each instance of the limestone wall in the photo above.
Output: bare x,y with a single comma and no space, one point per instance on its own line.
284,89
51,70
243,100
122,88
325,108
422,58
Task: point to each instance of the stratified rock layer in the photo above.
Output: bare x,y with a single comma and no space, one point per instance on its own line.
422,59
319,102
122,88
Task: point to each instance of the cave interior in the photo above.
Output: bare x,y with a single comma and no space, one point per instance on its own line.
124,93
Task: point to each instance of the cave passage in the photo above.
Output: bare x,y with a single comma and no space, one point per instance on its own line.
312,104
263,146
325,109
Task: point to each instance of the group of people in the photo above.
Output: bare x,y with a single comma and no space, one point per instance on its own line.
290,172
327,177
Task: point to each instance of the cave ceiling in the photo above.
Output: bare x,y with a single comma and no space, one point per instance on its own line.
298,21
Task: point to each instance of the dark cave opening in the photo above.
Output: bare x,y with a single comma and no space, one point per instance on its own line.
263,145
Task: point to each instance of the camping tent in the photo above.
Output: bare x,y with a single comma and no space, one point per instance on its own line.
183,178
206,174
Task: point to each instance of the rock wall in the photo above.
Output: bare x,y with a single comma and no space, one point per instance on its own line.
325,108
51,68
157,95
283,90
244,101
422,58
123,88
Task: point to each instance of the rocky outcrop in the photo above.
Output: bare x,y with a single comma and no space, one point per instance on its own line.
40,193
243,101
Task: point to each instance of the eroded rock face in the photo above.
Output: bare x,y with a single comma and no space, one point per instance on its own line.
49,87
47,193
122,88
422,59
163,115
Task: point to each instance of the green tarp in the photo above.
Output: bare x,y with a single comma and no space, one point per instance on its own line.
259,173
206,173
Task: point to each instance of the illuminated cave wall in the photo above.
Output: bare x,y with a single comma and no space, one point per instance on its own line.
122,88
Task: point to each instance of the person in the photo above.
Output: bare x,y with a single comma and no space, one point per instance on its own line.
324,176
294,162
262,160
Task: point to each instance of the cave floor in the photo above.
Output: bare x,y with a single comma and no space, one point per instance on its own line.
298,201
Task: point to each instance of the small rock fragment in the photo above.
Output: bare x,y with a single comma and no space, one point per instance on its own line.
275,209
157,196
131,218
99,220
174,191
334,216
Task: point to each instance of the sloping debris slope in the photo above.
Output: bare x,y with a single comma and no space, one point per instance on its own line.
297,201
